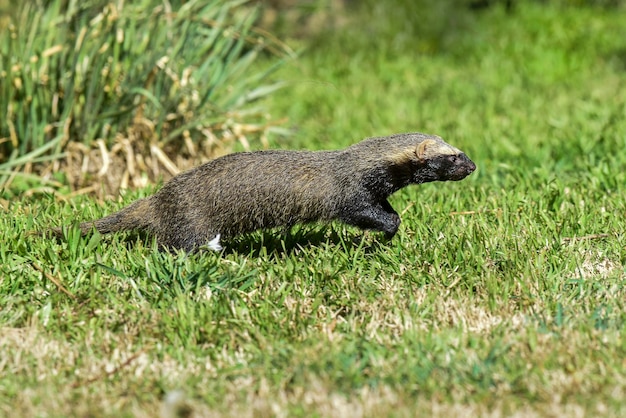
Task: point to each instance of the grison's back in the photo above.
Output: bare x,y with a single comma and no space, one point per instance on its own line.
245,191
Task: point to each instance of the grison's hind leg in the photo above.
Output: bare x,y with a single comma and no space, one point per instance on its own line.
185,237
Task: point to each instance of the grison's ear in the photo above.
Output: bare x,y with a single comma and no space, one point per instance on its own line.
426,149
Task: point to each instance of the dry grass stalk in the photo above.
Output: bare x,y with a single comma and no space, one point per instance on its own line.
138,158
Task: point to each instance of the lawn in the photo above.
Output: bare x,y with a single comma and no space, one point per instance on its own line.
501,295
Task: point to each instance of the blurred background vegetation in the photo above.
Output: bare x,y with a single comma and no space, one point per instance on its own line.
92,86
100,95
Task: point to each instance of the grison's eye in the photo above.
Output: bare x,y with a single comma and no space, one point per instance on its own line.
453,159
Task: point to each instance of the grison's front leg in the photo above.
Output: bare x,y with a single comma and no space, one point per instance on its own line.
379,216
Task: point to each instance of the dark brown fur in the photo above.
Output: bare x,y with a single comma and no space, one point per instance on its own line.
243,192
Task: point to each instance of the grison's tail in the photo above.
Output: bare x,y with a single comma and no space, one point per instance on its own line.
136,216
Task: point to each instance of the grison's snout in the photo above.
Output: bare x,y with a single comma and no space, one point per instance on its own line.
464,168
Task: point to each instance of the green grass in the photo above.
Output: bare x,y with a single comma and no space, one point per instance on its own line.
503,294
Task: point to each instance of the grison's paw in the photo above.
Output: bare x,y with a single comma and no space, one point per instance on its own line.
214,244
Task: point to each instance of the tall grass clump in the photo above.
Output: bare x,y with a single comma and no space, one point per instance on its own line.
142,80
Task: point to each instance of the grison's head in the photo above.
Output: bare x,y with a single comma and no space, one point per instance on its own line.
441,162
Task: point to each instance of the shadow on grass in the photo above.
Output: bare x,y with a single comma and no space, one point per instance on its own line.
275,243
271,243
